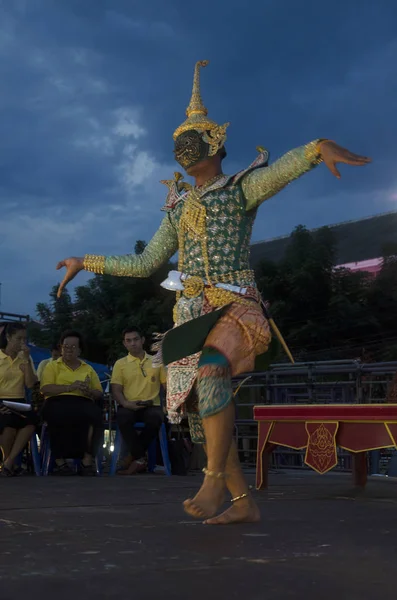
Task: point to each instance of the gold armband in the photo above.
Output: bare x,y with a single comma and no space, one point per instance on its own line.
313,153
94,263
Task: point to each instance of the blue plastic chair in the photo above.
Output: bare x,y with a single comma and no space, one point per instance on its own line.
32,446
34,453
151,451
47,461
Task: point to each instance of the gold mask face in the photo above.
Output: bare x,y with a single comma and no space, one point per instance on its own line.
190,149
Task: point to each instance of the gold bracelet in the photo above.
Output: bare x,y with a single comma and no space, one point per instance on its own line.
239,497
214,474
94,263
313,153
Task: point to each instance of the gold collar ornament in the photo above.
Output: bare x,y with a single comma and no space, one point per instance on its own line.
197,119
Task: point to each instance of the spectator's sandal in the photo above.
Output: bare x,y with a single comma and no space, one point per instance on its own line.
87,470
5,472
63,470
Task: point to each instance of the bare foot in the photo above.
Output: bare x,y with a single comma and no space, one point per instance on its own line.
208,499
243,511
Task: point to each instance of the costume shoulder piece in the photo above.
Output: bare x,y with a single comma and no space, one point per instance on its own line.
177,189
261,161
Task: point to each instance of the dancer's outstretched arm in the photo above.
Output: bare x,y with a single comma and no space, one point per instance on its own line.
262,184
161,248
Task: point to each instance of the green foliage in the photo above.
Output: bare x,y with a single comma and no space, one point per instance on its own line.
326,313
323,313
55,317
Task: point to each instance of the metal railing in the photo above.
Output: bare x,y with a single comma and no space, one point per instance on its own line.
6,316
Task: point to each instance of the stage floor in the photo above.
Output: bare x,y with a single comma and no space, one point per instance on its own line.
116,538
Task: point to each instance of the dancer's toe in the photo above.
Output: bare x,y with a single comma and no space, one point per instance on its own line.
207,501
242,512
193,509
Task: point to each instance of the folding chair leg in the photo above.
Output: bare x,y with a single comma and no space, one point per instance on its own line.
35,455
152,456
45,451
115,453
99,457
164,450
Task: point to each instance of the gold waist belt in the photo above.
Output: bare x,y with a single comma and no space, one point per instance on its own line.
194,286
238,278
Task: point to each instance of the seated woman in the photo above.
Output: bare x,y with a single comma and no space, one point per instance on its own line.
71,388
16,373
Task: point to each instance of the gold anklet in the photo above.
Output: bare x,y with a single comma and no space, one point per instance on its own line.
214,474
239,497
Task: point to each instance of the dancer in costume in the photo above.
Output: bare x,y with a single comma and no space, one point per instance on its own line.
210,225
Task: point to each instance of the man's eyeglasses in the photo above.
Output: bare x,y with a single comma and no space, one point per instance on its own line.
143,371
66,347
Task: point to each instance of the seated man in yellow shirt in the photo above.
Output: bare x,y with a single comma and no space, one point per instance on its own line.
135,386
55,354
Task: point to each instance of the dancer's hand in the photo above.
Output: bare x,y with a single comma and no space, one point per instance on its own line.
332,153
73,266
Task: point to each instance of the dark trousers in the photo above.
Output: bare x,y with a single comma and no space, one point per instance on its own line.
137,442
15,420
69,419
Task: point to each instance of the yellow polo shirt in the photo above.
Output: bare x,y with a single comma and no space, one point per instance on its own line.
140,380
12,381
42,366
58,373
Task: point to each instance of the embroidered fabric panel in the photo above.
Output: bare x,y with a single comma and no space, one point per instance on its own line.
214,388
182,374
241,334
196,428
229,230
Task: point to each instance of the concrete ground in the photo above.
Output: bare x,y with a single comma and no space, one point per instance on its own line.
121,538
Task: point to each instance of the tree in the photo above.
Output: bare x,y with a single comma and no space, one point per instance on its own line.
382,300
55,317
323,312
300,286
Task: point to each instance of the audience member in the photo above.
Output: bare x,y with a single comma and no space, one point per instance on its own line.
16,373
135,386
55,354
71,388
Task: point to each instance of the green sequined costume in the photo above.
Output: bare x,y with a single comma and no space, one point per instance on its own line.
231,204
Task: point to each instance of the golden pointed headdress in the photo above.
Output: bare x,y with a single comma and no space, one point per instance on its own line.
197,117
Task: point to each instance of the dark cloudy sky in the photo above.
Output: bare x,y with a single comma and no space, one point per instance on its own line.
91,91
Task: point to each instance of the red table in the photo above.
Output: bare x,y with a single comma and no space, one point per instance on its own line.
319,429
